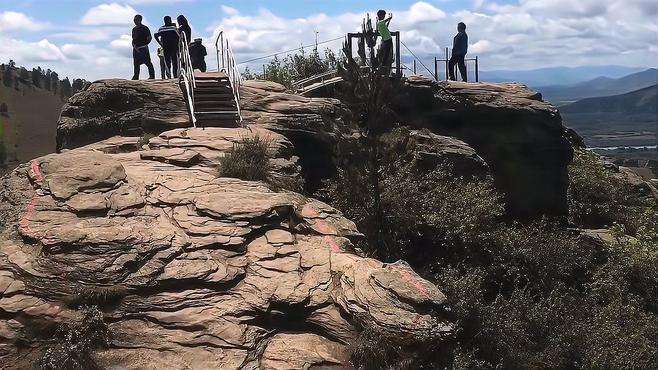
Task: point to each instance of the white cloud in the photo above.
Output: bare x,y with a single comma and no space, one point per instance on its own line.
29,52
157,2
109,15
229,10
15,21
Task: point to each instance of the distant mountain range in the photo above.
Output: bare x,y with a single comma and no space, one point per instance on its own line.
557,75
600,86
640,101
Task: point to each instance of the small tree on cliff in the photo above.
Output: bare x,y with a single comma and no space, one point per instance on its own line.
367,94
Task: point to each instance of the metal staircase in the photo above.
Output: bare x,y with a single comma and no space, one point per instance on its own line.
214,101
213,98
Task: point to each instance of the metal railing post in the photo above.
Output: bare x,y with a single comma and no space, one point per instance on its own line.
477,72
447,70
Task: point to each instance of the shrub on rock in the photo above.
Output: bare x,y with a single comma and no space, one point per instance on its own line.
247,160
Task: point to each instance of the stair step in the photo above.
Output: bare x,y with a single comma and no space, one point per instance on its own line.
213,97
213,107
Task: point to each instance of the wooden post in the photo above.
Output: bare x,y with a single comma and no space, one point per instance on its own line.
414,66
477,72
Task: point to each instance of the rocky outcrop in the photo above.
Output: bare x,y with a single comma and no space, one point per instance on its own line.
520,136
121,107
313,125
192,270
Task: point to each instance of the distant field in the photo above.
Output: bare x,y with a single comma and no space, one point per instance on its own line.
614,129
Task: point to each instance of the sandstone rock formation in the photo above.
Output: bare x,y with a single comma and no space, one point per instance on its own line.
121,107
192,270
520,136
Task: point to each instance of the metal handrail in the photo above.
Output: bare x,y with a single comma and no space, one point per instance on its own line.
186,72
300,84
226,63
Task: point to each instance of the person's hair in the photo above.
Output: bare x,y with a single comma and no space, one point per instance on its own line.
381,13
461,26
138,17
167,19
181,20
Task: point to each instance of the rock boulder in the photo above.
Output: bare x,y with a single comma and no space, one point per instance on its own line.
192,270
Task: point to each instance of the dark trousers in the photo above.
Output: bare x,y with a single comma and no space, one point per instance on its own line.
171,60
385,56
459,60
142,56
164,71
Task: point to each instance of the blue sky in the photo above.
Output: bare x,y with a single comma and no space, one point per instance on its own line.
90,38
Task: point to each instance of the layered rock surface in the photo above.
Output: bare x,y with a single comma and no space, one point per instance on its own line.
192,270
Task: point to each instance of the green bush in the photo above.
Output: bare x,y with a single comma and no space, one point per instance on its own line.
295,67
599,199
531,295
247,160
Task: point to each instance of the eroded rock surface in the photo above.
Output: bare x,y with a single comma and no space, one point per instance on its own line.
121,107
192,270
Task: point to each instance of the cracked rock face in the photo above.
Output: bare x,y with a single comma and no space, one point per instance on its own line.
201,272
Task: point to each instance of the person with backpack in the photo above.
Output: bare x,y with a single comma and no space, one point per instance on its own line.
198,55
168,37
141,38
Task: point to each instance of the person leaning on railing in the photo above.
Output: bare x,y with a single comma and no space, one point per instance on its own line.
385,56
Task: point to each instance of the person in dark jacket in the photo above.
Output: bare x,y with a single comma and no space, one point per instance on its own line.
459,50
184,27
141,39
198,55
168,37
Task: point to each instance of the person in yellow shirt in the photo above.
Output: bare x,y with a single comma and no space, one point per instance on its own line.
385,56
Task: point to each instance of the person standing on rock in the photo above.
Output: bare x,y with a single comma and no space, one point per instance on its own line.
459,49
141,40
164,71
168,37
385,56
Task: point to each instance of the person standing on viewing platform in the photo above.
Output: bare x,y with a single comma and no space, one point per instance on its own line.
184,27
164,71
459,49
141,39
198,55
168,37
385,56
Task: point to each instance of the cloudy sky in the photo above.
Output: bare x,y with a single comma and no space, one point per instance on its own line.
90,38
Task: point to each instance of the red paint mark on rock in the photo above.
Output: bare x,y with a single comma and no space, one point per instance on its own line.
413,281
323,227
331,241
24,223
36,171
